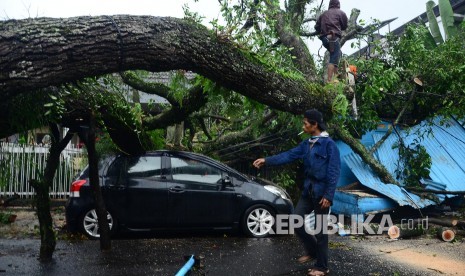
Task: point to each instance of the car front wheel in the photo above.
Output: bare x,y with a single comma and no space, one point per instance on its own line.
89,224
258,221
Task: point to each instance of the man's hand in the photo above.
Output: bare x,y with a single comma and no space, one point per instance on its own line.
324,203
259,163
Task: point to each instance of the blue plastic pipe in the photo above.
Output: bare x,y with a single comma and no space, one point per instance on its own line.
186,267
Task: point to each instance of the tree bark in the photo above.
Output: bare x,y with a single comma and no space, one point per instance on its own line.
352,27
364,153
47,236
37,53
89,140
288,28
42,187
443,221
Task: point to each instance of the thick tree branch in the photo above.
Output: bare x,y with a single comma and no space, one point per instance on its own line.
57,146
251,17
288,32
236,137
195,99
159,89
308,34
352,27
363,152
310,19
394,124
296,10
218,117
204,128
36,53
42,187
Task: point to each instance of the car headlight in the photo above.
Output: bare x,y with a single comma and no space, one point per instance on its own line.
277,191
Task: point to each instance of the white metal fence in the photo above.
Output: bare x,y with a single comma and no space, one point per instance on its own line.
21,163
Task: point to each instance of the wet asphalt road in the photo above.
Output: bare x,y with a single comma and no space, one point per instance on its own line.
222,255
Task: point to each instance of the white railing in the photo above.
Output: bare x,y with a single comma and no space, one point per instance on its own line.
21,163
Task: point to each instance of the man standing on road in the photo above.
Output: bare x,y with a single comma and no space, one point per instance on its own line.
322,168
329,27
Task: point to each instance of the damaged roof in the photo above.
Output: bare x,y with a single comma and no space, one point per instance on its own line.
443,139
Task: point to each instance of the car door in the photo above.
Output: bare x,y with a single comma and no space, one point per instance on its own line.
197,197
144,196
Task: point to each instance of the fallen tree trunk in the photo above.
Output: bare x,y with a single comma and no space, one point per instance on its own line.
400,231
443,221
40,52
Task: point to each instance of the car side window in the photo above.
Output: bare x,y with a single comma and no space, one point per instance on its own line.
116,171
188,170
145,167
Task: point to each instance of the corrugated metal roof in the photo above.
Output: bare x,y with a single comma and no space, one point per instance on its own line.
445,143
451,138
369,179
446,146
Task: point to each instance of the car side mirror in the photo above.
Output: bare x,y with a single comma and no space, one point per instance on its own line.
226,181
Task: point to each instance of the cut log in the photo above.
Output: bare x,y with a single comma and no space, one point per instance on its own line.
398,232
443,221
459,232
446,234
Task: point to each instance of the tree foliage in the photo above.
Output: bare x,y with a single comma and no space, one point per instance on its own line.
411,76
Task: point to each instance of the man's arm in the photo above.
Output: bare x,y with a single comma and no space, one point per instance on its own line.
287,156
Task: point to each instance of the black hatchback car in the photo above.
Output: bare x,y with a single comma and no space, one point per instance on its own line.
175,190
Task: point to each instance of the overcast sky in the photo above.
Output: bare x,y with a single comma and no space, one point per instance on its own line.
405,10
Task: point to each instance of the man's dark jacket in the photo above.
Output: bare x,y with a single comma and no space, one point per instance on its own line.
322,165
334,20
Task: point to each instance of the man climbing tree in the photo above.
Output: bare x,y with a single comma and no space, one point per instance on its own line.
329,27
